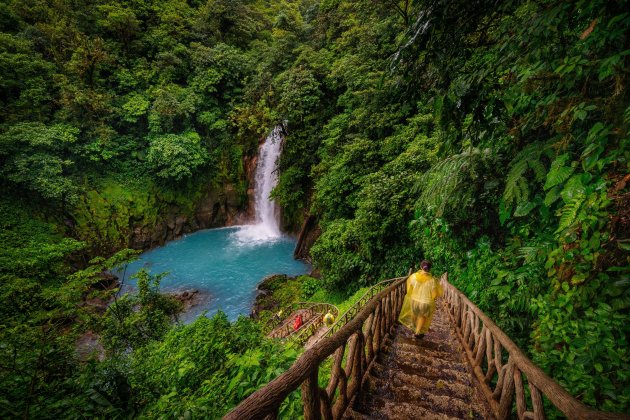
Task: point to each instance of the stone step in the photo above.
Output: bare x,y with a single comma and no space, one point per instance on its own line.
351,414
430,342
419,361
445,372
425,378
424,346
383,409
387,382
401,348
438,397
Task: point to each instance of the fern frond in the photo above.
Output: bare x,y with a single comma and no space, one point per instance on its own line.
539,169
552,196
524,187
442,184
512,191
558,173
524,208
569,212
528,253
517,190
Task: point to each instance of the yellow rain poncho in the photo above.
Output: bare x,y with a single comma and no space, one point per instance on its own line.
419,303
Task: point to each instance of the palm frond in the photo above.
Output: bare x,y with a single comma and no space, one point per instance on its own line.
443,184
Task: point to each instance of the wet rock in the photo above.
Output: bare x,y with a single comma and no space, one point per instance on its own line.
158,236
308,235
88,346
190,298
206,209
98,304
231,197
179,225
139,238
272,282
107,281
217,207
264,299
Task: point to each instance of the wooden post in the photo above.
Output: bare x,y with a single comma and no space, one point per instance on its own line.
310,397
507,394
272,416
537,403
481,349
326,409
521,407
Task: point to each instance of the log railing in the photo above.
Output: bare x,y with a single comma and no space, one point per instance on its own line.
301,336
503,370
500,367
305,334
313,312
287,310
353,349
358,305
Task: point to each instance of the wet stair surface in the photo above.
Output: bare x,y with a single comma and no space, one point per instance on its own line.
425,378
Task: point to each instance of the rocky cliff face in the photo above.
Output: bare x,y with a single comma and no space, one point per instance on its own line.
249,164
308,235
215,209
219,207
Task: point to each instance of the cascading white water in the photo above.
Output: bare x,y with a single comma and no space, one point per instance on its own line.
266,227
266,180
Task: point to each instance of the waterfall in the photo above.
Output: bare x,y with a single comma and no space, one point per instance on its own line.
266,225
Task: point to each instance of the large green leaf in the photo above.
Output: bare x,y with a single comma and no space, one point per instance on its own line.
558,173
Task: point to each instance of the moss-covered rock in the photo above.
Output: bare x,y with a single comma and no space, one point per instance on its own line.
143,215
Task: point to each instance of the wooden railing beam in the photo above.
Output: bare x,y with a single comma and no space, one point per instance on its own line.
369,321
310,397
263,401
462,311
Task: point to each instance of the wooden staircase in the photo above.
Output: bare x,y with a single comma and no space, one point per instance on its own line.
428,379
465,368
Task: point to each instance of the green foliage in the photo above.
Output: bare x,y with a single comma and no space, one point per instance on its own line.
34,158
310,285
489,137
176,157
519,193
450,183
517,188
299,93
134,320
551,265
38,306
198,370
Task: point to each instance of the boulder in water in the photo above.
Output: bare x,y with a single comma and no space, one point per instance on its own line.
190,298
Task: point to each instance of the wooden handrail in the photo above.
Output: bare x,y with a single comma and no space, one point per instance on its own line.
483,342
315,311
302,335
356,307
359,341
356,344
273,322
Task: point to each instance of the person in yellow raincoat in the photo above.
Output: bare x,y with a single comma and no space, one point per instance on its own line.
419,303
